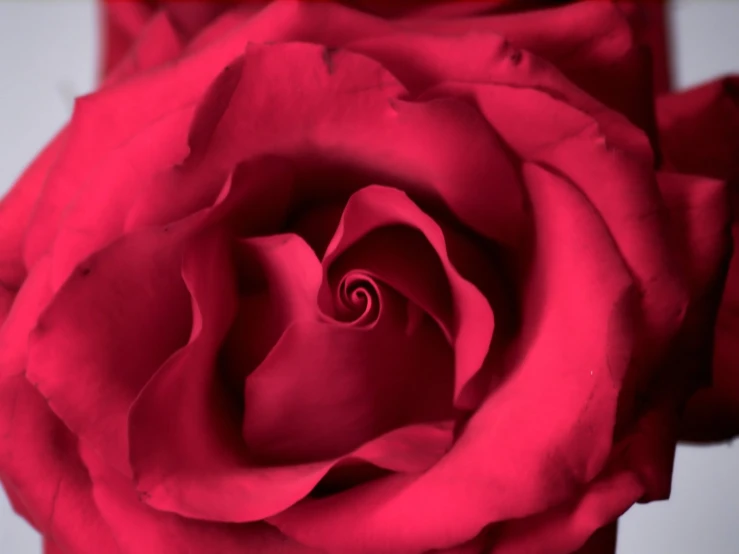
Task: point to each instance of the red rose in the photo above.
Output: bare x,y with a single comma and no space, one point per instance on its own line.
318,281
700,135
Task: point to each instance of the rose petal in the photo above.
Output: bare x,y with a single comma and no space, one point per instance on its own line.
710,112
17,208
699,213
566,529
6,301
140,529
95,216
157,43
122,21
577,343
38,456
427,61
106,332
591,42
325,389
50,546
459,308
279,276
20,320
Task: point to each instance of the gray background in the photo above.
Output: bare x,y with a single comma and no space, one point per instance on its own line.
47,57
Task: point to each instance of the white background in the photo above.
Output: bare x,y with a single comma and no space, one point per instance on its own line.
48,56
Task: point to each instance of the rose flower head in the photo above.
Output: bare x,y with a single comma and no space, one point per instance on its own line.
314,280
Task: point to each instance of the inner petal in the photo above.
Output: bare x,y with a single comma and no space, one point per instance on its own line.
383,232
328,387
358,299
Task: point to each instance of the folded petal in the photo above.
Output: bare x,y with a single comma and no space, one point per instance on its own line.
567,529
38,456
21,318
326,389
140,529
278,276
95,215
105,333
590,42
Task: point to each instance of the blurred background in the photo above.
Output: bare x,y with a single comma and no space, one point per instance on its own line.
48,57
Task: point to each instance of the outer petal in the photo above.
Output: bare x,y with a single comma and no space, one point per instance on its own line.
156,44
40,468
139,529
108,329
16,210
710,112
122,22
126,109
583,355
566,529
95,215
591,42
